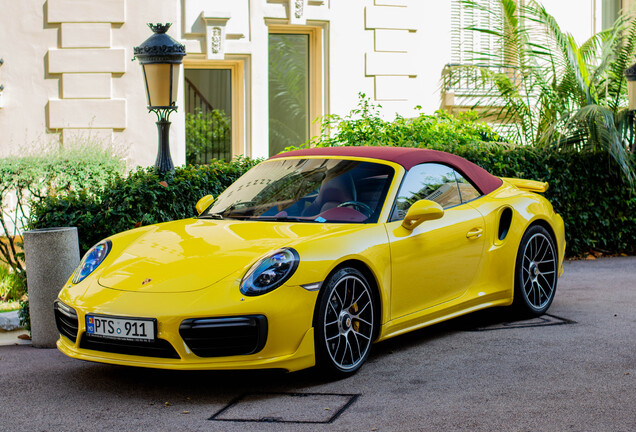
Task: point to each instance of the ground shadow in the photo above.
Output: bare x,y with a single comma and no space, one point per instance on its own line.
206,387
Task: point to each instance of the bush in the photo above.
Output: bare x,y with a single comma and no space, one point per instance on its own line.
12,284
143,197
364,127
24,314
26,179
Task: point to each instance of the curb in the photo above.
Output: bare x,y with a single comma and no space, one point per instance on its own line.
9,321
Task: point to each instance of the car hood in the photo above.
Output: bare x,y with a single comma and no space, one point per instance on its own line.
192,254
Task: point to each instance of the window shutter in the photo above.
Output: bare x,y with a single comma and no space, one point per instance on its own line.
465,42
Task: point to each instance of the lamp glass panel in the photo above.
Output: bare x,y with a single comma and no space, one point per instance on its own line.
631,91
175,82
158,83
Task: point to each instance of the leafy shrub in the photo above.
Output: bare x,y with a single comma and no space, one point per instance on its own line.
142,197
26,179
24,314
364,126
12,285
78,167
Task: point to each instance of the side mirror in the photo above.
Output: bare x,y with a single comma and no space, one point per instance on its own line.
421,211
204,203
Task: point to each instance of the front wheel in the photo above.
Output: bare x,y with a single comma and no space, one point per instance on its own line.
536,272
345,322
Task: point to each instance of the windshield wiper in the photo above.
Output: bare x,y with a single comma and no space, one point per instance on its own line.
217,216
283,219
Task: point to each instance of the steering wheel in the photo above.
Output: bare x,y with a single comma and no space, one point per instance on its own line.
359,206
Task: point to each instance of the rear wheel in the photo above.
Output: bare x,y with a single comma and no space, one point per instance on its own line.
345,322
536,272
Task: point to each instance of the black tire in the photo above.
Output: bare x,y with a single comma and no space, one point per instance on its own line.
536,272
345,323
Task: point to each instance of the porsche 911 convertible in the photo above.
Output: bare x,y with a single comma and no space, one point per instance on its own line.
311,257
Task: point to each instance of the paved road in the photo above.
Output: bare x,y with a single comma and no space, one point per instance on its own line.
473,374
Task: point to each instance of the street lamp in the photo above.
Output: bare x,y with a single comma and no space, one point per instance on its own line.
160,57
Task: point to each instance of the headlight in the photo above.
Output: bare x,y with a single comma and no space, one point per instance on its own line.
270,272
92,260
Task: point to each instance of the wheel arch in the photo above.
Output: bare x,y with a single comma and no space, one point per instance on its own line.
521,301
545,224
366,271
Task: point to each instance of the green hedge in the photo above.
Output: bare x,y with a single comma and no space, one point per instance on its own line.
596,202
143,197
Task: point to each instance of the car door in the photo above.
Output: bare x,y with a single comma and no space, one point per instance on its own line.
437,261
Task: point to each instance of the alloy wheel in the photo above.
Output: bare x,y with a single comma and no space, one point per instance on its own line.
348,322
539,271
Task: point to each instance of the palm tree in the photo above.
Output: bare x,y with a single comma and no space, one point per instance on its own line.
544,89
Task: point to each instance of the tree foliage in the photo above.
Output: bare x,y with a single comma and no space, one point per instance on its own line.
547,90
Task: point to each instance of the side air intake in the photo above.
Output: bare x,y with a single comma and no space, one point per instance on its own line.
504,223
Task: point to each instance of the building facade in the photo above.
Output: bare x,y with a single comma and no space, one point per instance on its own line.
256,75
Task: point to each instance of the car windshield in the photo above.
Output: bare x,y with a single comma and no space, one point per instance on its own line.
306,190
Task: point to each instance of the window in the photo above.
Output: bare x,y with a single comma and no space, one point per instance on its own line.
466,42
294,77
467,191
213,110
307,190
610,12
208,112
434,182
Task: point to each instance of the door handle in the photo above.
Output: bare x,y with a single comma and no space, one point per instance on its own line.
474,233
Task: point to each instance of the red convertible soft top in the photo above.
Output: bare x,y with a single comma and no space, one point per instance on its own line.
408,158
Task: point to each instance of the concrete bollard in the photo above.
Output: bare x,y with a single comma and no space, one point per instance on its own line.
51,255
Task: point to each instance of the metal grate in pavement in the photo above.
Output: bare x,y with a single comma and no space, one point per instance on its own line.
286,408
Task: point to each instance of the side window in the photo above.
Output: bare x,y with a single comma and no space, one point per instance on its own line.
429,181
466,190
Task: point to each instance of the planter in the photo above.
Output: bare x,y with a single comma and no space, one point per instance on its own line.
51,256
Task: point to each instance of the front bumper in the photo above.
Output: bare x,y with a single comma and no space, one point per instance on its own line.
303,357
288,313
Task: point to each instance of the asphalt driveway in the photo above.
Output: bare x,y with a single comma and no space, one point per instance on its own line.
574,370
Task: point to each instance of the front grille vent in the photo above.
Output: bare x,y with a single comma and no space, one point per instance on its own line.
66,320
226,336
159,348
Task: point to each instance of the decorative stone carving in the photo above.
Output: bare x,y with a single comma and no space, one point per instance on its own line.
215,41
297,12
299,8
215,35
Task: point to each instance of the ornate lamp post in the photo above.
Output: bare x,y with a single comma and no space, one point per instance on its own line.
160,57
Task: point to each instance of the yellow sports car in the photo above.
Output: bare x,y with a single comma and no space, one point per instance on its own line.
309,258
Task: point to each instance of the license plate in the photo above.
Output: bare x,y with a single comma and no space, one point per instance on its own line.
121,328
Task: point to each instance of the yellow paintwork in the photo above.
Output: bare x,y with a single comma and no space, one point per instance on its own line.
422,211
527,185
437,270
204,203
